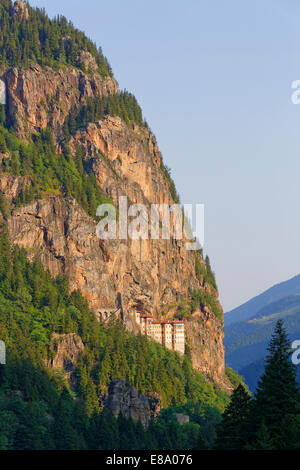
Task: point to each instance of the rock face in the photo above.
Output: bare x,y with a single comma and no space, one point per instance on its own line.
11,185
154,404
124,399
132,166
86,61
205,335
39,98
65,239
155,275
65,350
20,10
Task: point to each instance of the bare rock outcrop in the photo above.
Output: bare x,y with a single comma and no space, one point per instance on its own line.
205,335
11,185
65,350
86,61
124,399
132,163
20,9
39,97
154,404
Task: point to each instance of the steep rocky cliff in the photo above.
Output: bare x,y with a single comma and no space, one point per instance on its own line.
155,275
65,350
125,400
121,398
40,97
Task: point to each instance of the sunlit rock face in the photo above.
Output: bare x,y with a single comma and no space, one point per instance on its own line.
20,10
153,275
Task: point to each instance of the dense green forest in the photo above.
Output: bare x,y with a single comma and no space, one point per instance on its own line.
48,172
123,105
49,42
37,406
39,409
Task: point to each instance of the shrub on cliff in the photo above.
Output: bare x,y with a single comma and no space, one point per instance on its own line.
49,172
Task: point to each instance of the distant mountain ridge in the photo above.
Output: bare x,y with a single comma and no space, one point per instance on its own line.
248,333
252,306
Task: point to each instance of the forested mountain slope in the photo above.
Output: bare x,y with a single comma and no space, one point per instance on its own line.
70,140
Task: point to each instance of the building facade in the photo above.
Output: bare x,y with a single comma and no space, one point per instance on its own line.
168,334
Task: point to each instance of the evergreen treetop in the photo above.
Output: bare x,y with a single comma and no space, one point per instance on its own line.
233,431
277,398
271,421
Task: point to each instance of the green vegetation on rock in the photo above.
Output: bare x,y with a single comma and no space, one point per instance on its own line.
48,42
203,270
37,406
49,172
123,105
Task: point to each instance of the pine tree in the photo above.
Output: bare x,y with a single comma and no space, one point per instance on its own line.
64,434
263,440
62,52
277,396
201,444
232,432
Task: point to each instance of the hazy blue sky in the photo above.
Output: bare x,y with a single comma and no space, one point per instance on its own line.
214,81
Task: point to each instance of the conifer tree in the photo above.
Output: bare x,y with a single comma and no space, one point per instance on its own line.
201,445
277,395
262,440
232,432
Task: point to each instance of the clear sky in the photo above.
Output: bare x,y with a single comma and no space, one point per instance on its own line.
214,81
